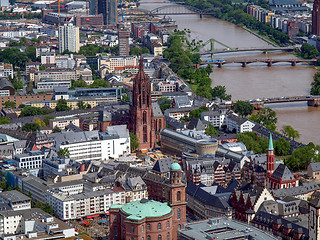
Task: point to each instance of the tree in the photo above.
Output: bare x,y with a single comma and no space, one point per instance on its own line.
209,69
307,51
48,208
134,142
266,117
47,118
315,85
56,129
290,132
38,205
165,103
197,113
78,84
220,92
31,127
4,120
302,157
39,122
17,188
62,105
97,83
32,111
64,153
243,108
253,142
211,130
9,104
81,105
282,147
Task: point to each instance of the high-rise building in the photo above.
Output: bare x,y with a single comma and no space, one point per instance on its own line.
316,18
123,38
93,7
109,10
69,38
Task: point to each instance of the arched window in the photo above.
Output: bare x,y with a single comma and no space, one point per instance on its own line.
168,236
168,224
179,227
148,237
178,196
145,134
144,117
178,213
159,237
160,125
148,227
142,228
144,97
159,226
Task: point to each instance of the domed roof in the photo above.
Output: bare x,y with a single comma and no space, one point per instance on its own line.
175,166
145,208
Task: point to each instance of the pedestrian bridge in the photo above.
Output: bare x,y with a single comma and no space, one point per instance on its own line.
235,50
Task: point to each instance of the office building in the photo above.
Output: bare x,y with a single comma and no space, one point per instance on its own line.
69,38
108,8
123,38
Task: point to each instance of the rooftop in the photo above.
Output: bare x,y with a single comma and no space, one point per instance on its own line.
144,208
222,228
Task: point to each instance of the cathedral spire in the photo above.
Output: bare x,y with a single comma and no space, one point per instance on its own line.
270,147
141,68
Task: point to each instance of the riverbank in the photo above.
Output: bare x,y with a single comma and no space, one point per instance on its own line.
259,36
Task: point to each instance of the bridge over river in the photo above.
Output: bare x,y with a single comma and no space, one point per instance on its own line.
313,101
245,62
235,50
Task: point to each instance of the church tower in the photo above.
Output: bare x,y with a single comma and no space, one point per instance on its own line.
316,18
141,122
270,157
177,198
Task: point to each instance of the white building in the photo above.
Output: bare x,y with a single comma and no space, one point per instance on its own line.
110,63
15,199
238,125
6,70
90,146
31,160
31,222
69,38
216,118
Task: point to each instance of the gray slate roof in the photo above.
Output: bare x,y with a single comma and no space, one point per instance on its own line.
282,172
163,165
315,166
14,196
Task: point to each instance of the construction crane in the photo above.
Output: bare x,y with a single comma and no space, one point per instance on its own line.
211,41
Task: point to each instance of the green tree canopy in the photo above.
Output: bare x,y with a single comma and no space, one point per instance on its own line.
165,103
307,51
9,104
243,108
282,147
134,142
4,120
31,127
315,85
32,111
64,153
290,132
220,92
62,105
266,117
211,130
253,142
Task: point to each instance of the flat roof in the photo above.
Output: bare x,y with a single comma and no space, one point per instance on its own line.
14,196
223,228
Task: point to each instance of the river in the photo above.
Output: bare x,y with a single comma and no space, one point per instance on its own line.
256,80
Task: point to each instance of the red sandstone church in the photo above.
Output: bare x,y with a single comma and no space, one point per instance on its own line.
281,177
146,118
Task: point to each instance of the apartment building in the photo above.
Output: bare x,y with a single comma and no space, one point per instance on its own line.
63,122
69,38
84,204
216,118
112,62
6,70
56,74
15,199
49,84
31,160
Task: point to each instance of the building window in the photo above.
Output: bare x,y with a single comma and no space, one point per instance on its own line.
159,226
179,227
178,196
142,228
144,118
168,236
159,237
178,213
168,224
115,218
160,125
132,229
148,227
148,237
145,134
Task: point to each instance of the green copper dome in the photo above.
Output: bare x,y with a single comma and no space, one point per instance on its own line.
175,166
145,208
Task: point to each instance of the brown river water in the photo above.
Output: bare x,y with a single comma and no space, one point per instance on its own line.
256,80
